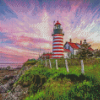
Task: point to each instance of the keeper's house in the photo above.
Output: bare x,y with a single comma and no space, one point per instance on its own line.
72,48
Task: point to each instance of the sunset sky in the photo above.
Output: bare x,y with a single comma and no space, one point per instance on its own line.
27,25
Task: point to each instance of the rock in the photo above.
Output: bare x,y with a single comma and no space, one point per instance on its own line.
11,69
17,93
7,77
18,88
4,88
15,72
11,82
8,67
9,96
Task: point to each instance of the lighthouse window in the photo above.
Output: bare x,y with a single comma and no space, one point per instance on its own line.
57,26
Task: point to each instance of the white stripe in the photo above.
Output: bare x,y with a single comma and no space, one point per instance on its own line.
58,46
57,55
57,36
57,52
57,49
57,42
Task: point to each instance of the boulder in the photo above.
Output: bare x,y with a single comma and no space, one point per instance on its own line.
9,96
17,93
18,88
4,88
7,77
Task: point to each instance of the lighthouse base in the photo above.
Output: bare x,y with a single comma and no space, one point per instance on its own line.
57,57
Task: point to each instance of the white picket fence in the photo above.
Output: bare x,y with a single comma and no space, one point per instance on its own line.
66,64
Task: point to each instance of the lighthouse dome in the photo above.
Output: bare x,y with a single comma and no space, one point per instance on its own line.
57,23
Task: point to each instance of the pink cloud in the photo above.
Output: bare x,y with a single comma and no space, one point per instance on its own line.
17,51
33,29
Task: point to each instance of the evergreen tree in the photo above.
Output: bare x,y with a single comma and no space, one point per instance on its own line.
84,51
97,53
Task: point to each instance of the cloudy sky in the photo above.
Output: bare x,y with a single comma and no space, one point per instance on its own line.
27,25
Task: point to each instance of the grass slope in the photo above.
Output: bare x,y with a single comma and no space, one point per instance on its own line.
52,84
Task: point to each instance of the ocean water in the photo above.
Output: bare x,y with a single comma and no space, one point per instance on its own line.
13,65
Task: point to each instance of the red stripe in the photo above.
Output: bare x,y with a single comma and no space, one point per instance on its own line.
58,54
58,44
58,51
58,34
57,41
57,47
56,57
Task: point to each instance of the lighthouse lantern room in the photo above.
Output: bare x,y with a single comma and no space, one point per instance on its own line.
57,50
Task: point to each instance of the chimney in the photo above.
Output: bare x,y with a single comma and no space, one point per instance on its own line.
70,40
81,42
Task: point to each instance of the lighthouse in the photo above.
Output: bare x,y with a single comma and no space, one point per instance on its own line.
57,49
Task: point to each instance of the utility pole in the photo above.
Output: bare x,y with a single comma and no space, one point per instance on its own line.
39,52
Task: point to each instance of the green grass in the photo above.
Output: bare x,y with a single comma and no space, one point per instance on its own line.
27,63
52,84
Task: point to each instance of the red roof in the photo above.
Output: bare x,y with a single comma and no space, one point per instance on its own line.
67,50
90,49
47,54
57,23
73,45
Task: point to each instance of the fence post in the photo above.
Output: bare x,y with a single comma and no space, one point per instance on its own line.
56,64
66,63
50,63
45,62
41,61
82,67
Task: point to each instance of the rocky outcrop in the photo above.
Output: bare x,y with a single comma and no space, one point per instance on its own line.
4,88
7,77
16,92
7,68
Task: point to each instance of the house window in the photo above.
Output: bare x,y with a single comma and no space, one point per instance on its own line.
69,47
66,47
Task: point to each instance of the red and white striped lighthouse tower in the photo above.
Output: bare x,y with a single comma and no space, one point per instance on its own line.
57,50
